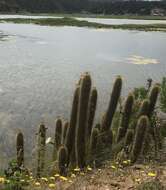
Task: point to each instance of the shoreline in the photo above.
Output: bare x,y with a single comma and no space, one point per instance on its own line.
67,21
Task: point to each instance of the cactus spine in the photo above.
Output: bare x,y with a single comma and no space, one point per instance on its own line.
92,109
20,149
62,160
58,137
108,117
125,117
41,149
85,89
70,136
142,127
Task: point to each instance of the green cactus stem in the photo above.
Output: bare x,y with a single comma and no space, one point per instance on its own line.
20,149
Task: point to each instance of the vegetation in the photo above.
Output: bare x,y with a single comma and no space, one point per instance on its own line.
163,95
79,23
76,153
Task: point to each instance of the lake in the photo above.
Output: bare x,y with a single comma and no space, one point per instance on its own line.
40,65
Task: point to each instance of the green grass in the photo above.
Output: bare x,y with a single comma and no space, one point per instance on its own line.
67,21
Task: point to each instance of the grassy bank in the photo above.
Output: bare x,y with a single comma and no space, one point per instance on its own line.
66,21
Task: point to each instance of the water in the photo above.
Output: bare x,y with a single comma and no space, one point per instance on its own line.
39,66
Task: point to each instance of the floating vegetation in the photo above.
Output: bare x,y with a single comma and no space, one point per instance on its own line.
140,60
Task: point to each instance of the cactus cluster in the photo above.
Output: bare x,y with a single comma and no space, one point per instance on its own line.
80,139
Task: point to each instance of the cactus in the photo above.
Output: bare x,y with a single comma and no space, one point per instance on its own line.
41,149
70,136
153,99
94,140
65,129
124,123
20,149
58,137
62,160
85,89
128,137
108,117
91,113
144,108
142,127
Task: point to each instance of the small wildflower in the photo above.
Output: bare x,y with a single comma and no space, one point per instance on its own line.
2,179
30,177
52,178
151,174
37,184
70,181
63,178
113,167
44,179
22,180
73,175
89,168
125,162
82,173
51,185
99,170
56,175
77,169
7,181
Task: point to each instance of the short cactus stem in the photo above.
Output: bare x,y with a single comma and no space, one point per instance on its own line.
41,150
57,138
94,140
20,149
124,123
153,98
91,112
65,129
115,95
144,108
62,160
141,129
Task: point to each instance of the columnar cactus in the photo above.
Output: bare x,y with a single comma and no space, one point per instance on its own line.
144,108
62,160
129,137
94,140
20,149
108,117
124,123
91,112
85,89
141,129
153,99
41,149
70,136
65,129
58,137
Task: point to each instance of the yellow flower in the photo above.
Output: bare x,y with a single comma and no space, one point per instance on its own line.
30,177
63,178
99,170
151,174
89,168
125,162
51,185
56,175
73,175
37,184
44,179
70,181
82,173
129,161
52,178
77,169
2,179
7,181
22,180
113,167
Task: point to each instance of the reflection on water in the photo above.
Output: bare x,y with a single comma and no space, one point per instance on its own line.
139,60
40,65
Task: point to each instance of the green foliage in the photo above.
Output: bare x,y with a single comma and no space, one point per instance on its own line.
163,95
140,93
